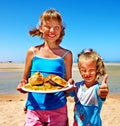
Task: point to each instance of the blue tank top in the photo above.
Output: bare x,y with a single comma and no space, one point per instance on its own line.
47,101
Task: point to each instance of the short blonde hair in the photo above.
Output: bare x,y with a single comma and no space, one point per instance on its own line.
91,54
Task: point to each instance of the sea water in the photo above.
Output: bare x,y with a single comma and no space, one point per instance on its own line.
10,79
9,82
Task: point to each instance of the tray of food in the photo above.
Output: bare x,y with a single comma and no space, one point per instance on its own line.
50,84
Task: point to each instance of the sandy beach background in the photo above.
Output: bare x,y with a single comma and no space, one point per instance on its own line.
11,104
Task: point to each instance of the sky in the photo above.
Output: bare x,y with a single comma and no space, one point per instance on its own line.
89,24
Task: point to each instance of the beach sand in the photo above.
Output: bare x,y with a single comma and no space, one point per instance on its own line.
12,114
11,105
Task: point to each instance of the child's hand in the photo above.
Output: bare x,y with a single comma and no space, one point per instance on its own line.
103,89
19,87
71,81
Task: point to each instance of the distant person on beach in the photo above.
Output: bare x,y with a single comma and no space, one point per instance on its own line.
48,109
88,95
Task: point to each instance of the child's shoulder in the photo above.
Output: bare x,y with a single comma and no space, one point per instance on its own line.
77,84
36,47
64,49
65,52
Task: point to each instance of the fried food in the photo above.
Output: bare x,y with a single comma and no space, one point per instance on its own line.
51,82
56,80
59,81
36,79
47,78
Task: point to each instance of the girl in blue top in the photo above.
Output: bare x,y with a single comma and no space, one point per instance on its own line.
48,58
87,95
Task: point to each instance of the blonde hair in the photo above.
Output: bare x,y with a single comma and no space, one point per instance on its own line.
91,54
47,15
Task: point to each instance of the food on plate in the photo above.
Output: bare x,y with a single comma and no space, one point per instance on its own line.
36,79
47,78
55,80
50,82
59,81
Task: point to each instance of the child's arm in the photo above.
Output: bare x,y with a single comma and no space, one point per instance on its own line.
29,57
103,89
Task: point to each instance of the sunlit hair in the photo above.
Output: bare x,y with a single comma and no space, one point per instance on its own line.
47,15
91,54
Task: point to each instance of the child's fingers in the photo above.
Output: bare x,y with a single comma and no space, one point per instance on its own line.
71,81
19,88
103,89
105,78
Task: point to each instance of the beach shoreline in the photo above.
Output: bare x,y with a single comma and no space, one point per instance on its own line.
20,66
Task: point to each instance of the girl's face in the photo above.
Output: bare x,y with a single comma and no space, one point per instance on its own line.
51,30
88,71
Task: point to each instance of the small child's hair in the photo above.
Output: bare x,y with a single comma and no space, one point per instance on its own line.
91,54
47,15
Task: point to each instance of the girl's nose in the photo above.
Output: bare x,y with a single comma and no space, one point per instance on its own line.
87,72
51,29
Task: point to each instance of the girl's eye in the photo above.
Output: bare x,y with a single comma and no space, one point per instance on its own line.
55,27
89,71
83,71
48,27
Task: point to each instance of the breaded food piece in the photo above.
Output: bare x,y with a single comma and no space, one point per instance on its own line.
59,81
56,80
47,78
36,79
